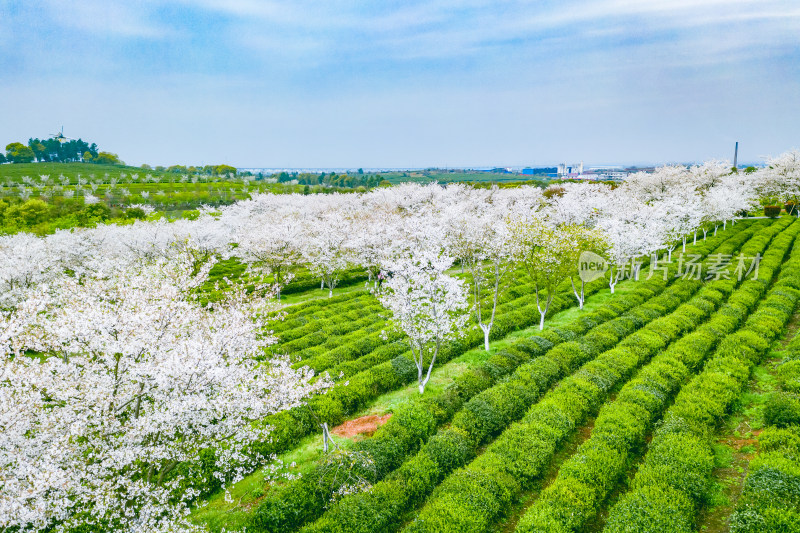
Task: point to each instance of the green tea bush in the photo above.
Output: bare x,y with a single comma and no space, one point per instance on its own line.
782,409
770,499
680,459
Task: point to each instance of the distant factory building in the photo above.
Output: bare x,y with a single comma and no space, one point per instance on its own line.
570,171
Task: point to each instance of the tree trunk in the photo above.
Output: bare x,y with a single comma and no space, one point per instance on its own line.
612,280
424,382
542,313
486,328
326,437
578,296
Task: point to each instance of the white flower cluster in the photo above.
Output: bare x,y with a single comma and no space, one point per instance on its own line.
114,377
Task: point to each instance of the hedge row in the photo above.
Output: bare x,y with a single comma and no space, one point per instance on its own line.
675,477
363,353
390,343
321,341
789,369
516,298
330,330
770,501
297,325
474,497
298,315
589,476
343,400
487,414
305,281
782,408
291,505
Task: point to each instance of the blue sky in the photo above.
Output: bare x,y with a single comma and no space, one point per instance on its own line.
340,83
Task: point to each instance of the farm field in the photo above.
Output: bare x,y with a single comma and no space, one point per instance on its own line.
416,358
44,197
66,191
692,325
695,322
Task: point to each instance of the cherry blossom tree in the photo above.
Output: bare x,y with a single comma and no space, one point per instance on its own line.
429,306
632,229
478,236
272,246
547,253
134,379
589,240
326,248
782,176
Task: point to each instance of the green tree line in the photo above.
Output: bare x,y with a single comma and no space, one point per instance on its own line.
54,151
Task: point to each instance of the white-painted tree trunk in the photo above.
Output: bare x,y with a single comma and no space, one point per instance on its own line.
423,381
612,280
476,290
542,312
326,437
578,295
486,329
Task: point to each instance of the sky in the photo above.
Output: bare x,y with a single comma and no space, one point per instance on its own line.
445,83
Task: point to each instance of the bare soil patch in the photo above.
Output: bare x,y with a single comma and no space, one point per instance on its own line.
366,425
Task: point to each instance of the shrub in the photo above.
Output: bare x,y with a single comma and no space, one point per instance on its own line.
789,376
782,409
771,497
772,211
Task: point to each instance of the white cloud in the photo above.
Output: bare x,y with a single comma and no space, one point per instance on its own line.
124,19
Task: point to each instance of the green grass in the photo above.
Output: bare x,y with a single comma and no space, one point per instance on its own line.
219,513
233,515
71,170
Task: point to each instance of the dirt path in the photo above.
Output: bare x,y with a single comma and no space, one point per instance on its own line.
736,444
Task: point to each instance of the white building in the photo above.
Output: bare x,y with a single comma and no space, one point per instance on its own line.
570,170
